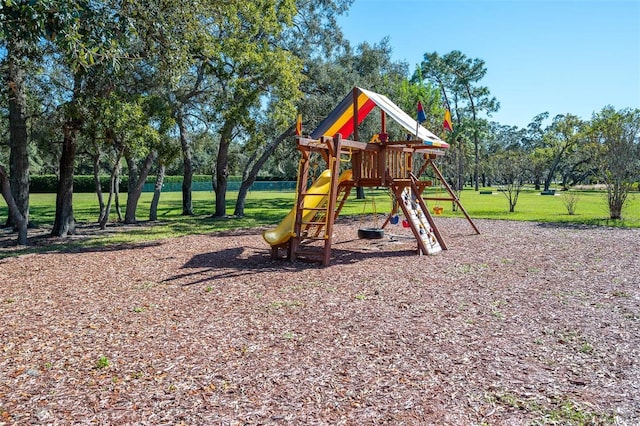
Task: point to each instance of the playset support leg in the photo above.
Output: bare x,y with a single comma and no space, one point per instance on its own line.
453,195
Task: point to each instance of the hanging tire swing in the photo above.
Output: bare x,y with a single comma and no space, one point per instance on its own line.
371,233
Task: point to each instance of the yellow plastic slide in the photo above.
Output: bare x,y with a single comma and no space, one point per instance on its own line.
284,230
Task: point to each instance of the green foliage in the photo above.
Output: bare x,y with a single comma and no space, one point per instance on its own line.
103,362
243,67
617,137
430,96
42,184
511,173
551,411
570,200
47,184
268,208
457,77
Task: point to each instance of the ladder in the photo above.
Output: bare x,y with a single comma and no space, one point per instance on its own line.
314,219
425,231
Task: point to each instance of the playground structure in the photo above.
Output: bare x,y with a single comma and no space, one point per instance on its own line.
306,232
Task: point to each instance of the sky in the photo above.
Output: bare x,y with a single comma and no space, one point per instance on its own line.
571,56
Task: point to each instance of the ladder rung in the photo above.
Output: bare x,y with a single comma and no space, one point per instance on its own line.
319,238
314,223
319,209
437,199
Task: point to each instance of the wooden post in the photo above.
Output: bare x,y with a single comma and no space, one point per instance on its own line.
356,137
333,194
357,158
453,195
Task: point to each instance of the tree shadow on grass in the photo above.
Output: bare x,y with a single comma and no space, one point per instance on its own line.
86,240
586,224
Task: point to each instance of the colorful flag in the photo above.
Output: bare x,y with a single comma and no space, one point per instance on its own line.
446,124
299,125
421,116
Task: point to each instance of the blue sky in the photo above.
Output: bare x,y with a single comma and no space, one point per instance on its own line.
572,56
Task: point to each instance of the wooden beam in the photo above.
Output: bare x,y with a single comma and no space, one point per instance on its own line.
453,195
355,114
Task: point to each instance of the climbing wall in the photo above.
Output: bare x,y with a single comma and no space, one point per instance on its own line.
419,223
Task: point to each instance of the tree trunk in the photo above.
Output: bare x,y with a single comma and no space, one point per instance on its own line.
617,195
132,178
187,164
157,190
135,186
114,183
250,176
18,138
16,216
476,143
460,183
64,223
96,181
552,170
104,218
476,165
222,169
116,195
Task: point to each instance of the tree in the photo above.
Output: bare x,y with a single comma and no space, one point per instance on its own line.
315,38
78,32
137,126
22,25
15,214
560,138
617,134
579,165
18,138
86,38
226,58
176,42
458,76
511,174
532,142
500,138
255,69
64,222
253,166
408,93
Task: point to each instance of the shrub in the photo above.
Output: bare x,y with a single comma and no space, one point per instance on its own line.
570,200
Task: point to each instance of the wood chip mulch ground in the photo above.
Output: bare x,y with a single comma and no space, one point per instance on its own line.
526,323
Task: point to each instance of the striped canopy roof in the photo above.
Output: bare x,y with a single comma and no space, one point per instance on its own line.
341,119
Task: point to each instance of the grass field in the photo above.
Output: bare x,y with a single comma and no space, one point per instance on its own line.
268,208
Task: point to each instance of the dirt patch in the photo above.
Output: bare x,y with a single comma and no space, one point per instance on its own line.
525,323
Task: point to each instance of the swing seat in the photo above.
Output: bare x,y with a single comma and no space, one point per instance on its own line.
438,210
370,233
394,219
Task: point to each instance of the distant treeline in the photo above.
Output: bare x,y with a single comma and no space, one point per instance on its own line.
44,184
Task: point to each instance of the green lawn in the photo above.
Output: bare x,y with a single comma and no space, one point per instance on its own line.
268,208
591,208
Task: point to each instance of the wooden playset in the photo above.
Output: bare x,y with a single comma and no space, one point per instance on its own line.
397,165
